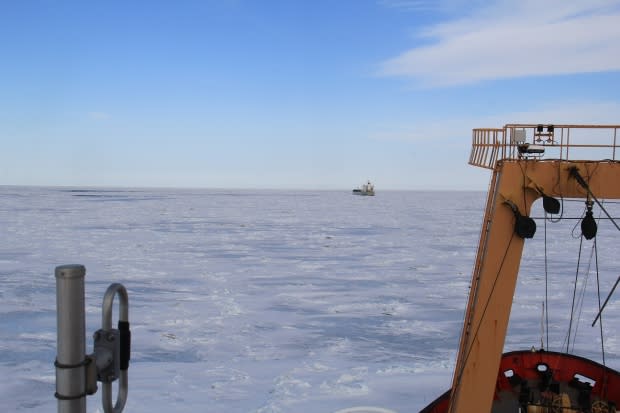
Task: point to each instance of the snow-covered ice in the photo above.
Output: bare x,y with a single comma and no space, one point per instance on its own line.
271,301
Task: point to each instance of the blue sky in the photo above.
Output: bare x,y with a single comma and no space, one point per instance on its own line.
291,93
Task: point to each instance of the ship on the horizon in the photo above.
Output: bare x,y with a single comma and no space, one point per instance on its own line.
367,189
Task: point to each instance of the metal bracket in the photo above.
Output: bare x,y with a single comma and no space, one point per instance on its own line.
91,375
107,355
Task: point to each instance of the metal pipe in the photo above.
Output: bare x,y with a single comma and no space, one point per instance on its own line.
71,343
108,300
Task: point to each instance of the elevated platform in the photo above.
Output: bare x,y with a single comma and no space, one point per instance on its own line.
540,141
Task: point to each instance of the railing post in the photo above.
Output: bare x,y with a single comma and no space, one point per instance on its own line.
71,357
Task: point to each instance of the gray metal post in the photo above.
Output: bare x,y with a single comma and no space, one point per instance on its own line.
71,356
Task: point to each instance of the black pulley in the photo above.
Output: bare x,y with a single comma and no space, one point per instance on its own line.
551,205
525,227
588,226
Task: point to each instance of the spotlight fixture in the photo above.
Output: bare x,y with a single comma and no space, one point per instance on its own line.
530,149
540,133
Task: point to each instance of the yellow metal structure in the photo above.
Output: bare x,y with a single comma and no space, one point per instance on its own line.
527,161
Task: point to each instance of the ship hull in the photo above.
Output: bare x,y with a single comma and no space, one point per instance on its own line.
546,382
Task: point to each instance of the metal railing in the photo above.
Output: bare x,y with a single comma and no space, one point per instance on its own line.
544,141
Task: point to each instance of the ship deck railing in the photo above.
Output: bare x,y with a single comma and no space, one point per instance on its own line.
544,141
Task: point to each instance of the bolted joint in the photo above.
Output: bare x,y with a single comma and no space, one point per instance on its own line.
107,355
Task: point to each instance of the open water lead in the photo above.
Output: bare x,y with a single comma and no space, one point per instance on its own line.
77,373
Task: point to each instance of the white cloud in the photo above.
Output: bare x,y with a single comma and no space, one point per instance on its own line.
514,39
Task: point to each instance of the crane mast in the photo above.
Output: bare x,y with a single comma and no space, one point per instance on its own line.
521,175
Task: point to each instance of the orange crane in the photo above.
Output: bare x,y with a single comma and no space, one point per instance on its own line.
529,161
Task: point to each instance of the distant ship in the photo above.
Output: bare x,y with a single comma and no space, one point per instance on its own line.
367,189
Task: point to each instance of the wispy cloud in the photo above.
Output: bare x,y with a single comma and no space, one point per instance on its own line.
515,38
455,129
440,6
411,5
568,113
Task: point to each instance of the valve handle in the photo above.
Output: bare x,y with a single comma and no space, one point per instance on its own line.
124,343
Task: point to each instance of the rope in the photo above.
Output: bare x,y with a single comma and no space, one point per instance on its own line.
572,311
593,253
601,308
574,172
598,292
582,295
546,302
606,300
486,305
577,222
